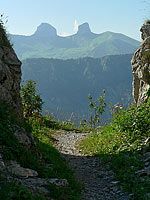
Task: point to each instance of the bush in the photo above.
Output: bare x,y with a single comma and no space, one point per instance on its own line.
122,144
32,102
97,108
4,41
134,120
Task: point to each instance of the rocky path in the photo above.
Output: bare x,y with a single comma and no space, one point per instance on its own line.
98,181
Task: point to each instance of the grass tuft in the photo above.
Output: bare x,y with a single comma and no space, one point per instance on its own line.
4,40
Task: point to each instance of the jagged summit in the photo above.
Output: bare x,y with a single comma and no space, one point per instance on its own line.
81,44
45,30
84,28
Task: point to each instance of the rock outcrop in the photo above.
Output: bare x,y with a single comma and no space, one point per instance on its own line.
10,74
141,67
28,177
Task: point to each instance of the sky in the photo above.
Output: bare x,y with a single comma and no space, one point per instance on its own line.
120,16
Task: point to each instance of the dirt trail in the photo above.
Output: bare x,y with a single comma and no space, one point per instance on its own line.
98,181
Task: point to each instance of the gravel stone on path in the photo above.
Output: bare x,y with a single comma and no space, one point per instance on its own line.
98,181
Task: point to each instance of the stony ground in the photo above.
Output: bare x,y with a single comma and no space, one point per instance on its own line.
98,181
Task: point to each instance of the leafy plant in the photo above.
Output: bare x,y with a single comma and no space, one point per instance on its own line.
3,33
121,144
32,102
97,108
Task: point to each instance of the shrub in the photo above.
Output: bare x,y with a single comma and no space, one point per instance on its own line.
32,102
134,120
121,145
4,41
97,108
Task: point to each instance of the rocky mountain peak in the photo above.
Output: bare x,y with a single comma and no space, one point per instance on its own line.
84,28
45,30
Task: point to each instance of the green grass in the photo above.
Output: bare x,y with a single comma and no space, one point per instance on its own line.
121,144
18,192
43,135
42,129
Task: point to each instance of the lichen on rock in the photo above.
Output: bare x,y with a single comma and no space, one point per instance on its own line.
141,67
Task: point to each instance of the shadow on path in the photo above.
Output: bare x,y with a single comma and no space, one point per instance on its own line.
98,180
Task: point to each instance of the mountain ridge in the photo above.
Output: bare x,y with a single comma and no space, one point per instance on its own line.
45,30
45,42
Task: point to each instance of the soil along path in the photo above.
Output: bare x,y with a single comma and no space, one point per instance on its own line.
98,181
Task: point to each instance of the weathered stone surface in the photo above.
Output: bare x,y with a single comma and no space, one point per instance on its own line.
145,29
147,155
10,78
41,184
12,171
2,165
23,172
58,182
15,169
24,138
141,67
144,172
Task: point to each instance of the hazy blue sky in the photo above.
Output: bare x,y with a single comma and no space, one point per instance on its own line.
123,16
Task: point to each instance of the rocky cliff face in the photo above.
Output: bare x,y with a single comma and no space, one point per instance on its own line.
141,67
10,74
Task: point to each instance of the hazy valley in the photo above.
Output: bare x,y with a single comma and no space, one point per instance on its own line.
65,84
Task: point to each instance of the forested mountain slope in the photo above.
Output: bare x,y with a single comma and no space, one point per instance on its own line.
65,84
